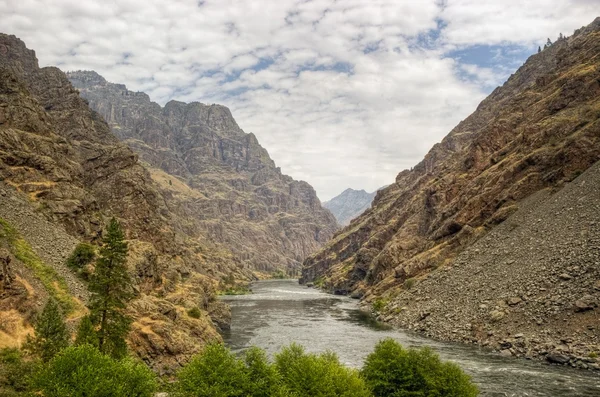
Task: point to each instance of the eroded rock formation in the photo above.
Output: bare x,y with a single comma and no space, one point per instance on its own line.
221,179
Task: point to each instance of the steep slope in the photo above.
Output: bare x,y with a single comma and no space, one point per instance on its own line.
540,129
59,157
230,186
530,287
349,204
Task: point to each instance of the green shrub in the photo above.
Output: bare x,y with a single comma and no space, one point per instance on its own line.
263,378
394,371
15,372
216,372
279,274
409,283
194,312
81,256
379,304
85,372
317,375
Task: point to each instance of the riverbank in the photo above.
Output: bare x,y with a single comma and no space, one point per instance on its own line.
282,311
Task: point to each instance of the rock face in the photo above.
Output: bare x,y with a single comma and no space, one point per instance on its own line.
227,184
60,161
349,204
510,285
539,131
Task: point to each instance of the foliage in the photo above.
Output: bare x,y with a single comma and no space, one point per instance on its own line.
279,274
194,312
319,282
50,332
236,290
111,289
51,280
379,304
82,255
15,372
323,375
216,372
409,283
229,279
263,378
86,333
83,371
394,371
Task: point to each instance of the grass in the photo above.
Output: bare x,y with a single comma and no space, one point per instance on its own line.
52,281
379,304
194,312
236,290
409,283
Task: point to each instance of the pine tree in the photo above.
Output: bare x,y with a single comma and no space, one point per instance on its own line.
50,332
111,289
539,49
549,42
86,333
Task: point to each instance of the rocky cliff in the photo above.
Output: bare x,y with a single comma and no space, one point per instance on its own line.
349,204
223,180
538,131
63,175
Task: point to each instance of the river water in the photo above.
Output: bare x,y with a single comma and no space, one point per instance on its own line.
281,311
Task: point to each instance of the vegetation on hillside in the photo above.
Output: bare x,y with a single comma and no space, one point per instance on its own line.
54,284
97,365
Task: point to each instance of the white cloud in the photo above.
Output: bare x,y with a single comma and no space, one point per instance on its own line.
341,93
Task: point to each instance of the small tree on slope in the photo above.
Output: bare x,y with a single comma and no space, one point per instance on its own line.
111,289
50,332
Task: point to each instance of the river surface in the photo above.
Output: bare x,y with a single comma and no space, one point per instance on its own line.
281,311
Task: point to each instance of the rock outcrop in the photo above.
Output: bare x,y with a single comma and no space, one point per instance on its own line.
222,181
529,287
349,204
539,131
60,162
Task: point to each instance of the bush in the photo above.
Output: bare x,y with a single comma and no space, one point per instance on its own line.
317,375
81,256
409,283
194,312
15,372
215,372
85,372
263,378
393,371
379,304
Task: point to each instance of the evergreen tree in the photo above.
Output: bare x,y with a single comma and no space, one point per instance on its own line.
86,333
50,332
548,43
539,49
111,289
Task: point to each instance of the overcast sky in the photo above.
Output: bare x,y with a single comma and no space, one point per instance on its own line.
341,93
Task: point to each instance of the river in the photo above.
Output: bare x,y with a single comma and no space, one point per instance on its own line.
281,311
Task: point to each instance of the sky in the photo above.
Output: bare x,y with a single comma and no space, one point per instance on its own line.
342,93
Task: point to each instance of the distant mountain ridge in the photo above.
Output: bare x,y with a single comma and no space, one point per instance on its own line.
349,204
223,180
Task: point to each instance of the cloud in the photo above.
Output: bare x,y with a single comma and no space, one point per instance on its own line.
341,93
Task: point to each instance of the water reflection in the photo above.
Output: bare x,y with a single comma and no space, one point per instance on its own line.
281,311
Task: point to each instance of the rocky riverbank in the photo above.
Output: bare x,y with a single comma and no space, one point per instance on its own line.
530,288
